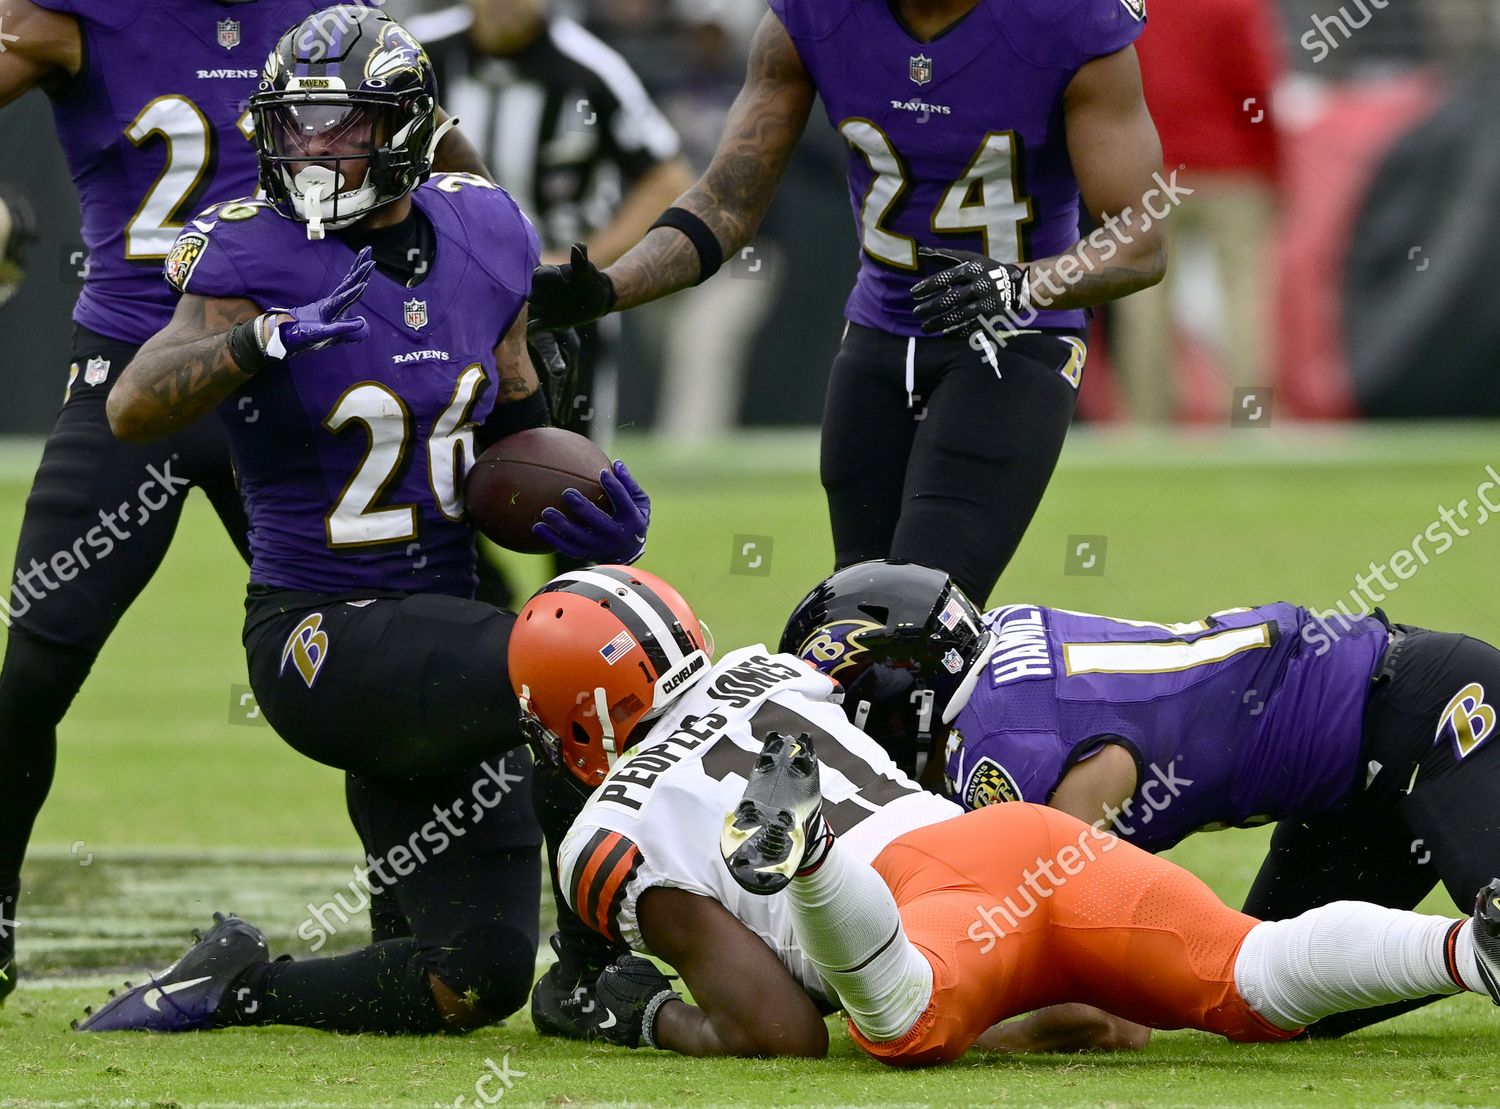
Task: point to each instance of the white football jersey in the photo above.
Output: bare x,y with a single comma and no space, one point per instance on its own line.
656,820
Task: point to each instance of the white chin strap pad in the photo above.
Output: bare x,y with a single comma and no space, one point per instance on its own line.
437,136
310,189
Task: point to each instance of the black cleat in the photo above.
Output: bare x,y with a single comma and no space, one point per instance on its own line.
185,996
768,836
7,942
1487,937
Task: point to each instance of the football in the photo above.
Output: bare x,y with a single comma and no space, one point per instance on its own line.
511,483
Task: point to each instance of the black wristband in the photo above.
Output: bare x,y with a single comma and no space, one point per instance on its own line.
710,253
517,415
244,347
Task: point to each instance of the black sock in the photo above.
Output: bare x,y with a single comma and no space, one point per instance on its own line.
380,988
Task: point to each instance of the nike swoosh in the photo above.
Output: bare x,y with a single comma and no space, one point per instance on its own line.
152,996
610,1023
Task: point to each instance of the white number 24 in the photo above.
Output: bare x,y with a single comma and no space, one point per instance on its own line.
983,200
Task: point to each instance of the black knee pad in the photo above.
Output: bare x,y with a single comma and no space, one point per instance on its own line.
491,965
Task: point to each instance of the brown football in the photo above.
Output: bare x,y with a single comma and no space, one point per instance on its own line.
510,484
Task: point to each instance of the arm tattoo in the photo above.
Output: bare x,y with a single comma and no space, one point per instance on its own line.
518,378
733,195
186,370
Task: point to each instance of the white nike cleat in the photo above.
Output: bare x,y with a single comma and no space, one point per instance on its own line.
768,836
1486,925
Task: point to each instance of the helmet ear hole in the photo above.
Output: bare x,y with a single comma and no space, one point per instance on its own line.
580,736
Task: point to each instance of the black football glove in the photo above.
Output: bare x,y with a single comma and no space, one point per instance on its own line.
570,295
17,232
563,1002
628,995
554,356
971,291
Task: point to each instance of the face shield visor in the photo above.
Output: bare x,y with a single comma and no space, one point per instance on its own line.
325,152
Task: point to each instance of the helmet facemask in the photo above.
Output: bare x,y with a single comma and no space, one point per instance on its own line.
345,119
907,645
598,655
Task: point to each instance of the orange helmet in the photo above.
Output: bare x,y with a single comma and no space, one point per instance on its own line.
593,654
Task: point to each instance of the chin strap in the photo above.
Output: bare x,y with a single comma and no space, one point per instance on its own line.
312,200
606,726
437,136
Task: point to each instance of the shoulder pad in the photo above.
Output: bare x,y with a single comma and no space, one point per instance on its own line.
813,19
203,261
1064,34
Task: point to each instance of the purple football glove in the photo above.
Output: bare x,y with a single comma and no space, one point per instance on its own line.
588,533
323,323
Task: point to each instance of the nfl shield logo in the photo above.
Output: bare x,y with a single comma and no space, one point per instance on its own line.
921,69
416,313
95,370
229,33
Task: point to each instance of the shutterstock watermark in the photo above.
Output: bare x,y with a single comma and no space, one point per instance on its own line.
33,583
1320,42
1440,535
484,1091
332,25
1070,859
430,840
1040,881
1119,229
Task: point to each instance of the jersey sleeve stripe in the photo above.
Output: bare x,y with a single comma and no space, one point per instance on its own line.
592,857
612,891
609,860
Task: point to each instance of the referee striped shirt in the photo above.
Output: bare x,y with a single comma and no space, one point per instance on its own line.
564,124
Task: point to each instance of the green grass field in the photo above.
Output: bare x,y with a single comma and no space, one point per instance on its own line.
168,803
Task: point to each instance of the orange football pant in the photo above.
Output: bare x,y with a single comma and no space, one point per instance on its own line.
1019,906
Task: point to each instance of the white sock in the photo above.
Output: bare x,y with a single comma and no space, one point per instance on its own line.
847,924
1347,955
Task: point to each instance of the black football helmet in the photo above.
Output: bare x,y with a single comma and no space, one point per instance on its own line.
906,644
345,117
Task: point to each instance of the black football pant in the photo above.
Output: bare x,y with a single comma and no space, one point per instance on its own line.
1429,814
949,474
98,522
409,695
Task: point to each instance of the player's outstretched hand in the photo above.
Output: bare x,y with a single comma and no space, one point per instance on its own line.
627,997
572,294
969,291
588,533
324,322
554,356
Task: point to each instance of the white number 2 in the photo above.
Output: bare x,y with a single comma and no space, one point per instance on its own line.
354,520
189,140
982,201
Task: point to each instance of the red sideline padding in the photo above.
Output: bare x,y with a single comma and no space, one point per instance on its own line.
1334,137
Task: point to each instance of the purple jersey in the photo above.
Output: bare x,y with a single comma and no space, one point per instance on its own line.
155,127
956,142
351,459
1248,716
